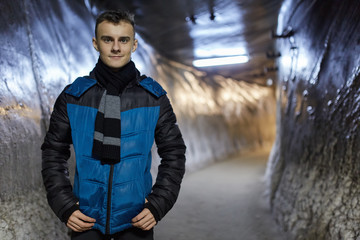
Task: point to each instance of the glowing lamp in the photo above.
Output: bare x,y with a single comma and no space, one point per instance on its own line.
218,61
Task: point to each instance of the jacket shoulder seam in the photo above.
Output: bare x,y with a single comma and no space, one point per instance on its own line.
80,86
153,87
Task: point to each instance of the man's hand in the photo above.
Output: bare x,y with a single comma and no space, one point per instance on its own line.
79,222
144,220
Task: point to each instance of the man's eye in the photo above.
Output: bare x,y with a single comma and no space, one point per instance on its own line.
124,40
107,40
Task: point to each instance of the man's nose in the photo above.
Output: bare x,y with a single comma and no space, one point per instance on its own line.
116,46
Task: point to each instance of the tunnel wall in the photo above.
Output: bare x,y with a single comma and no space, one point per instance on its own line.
314,165
218,116
40,53
46,45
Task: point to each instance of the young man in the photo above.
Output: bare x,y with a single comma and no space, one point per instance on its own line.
112,118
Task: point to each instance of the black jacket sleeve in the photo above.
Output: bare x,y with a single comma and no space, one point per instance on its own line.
171,149
55,153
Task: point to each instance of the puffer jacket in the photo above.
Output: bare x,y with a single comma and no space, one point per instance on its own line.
113,194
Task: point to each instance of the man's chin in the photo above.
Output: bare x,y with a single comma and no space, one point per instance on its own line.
115,67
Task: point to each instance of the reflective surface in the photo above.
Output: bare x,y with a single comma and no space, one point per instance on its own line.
40,54
314,168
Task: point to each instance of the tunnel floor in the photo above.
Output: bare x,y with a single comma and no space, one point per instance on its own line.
223,201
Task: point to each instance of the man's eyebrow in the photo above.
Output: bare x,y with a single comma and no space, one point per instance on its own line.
105,36
121,37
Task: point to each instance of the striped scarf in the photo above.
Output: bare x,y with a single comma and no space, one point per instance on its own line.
107,132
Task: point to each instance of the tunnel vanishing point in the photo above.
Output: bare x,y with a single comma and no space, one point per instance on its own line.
313,171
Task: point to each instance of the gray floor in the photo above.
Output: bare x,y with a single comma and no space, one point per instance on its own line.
223,201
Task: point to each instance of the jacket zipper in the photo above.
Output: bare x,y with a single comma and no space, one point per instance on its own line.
108,209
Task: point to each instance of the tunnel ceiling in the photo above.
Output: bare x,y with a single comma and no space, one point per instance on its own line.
184,30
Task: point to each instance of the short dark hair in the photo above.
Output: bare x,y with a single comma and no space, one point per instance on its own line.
115,16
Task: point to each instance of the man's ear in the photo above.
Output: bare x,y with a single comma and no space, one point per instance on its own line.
94,42
135,45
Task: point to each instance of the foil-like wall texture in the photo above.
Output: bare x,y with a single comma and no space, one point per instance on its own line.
314,166
45,46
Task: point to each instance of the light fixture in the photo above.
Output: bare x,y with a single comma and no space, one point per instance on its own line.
218,61
218,51
192,18
212,16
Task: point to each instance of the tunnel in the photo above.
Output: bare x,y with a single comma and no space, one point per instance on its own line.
271,143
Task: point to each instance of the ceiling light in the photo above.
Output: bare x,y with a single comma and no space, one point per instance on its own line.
208,62
216,51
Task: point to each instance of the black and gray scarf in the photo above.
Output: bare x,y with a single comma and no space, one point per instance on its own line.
106,144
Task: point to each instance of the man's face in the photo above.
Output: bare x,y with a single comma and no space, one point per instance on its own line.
115,43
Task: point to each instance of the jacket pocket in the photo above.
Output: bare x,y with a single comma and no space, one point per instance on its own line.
128,196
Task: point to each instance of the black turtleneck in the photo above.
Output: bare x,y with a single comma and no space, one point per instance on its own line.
114,81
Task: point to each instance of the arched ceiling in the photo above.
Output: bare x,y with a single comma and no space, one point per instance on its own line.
184,30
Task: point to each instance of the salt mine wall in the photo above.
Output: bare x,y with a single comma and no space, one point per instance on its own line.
45,46
314,165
